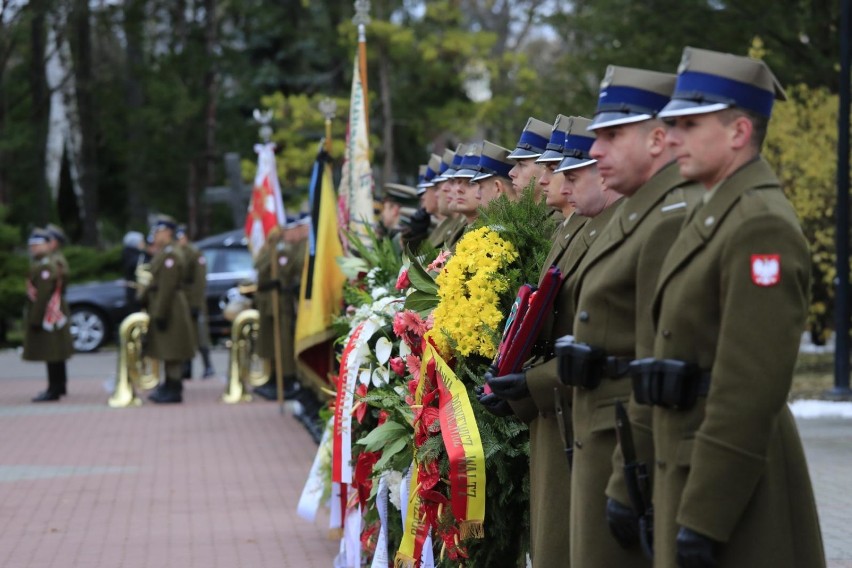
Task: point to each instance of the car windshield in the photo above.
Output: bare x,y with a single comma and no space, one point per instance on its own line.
228,260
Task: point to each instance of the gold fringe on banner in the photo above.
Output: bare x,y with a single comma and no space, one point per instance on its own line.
471,529
402,561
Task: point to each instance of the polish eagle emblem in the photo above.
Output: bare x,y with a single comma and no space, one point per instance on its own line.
766,269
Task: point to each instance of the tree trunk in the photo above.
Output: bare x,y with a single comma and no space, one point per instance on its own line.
80,24
134,18
211,91
39,110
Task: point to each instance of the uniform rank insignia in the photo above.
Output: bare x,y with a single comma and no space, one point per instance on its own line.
169,262
766,269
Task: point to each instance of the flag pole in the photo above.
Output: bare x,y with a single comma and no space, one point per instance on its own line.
266,135
361,19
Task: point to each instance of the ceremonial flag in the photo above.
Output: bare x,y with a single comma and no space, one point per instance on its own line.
355,208
321,294
266,208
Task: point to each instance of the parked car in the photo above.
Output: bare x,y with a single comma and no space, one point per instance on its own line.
97,308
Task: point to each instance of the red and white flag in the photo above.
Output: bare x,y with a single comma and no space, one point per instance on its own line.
266,208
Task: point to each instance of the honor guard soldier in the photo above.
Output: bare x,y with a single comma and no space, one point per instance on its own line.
47,336
492,179
550,430
287,250
731,485
195,284
443,182
615,284
464,199
170,337
531,145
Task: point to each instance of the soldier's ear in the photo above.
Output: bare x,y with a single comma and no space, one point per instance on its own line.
656,140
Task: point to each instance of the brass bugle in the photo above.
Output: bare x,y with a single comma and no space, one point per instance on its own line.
134,372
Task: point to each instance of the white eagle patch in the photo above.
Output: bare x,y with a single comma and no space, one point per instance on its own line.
169,262
282,260
766,269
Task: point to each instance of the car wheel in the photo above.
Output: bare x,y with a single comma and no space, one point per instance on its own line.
88,328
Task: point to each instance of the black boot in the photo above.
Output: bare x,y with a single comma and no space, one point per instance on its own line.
209,372
186,372
268,390
56,380
169,391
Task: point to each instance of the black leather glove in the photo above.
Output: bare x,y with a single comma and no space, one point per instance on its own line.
194,312
508,387
161,323
493,404
695,550
623,523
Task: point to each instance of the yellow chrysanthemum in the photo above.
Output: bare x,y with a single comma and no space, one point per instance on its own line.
469,289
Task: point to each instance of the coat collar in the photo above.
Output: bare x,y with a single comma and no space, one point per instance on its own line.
703,223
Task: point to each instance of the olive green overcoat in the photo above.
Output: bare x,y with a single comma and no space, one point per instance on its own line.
439,234
550,497
40,344
617,280
166,299
289,259
732,297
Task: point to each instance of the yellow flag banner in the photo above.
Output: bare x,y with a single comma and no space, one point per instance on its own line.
464,449
321,294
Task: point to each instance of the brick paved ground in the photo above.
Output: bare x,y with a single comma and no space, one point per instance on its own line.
201,484
209,485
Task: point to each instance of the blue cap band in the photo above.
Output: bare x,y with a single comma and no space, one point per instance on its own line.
693,85
430,173
457,160
532,141
470,161
492,166
579,143
630,99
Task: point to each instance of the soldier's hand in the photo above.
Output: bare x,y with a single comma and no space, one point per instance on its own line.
508,387
496,406
623,523
161,323
695,550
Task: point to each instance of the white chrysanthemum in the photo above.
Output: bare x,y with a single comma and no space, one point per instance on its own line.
394,485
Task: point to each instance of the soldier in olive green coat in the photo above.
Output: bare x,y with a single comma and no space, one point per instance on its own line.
287,250
539,386
616,283
47,336
170,337
195,284
731,486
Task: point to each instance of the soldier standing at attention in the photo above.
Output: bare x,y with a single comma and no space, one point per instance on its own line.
287,249
47,336
492,179
545,404
531,145
615,284
170,336
731,485
195,285
550,432
443,182
463,197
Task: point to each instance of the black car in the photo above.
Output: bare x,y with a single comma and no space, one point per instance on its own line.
97,308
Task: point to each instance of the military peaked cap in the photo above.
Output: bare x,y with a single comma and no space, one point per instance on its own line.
533,140
578,143
630,95
494,161
469,166
553,151
710,81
